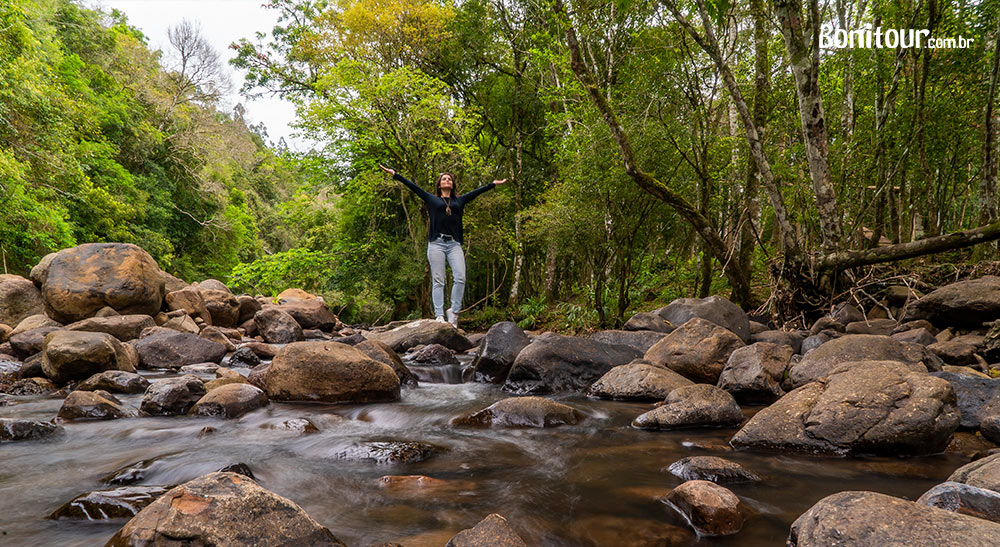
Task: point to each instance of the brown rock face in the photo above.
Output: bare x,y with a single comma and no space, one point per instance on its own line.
311,313
91,405
384,354
329,372
854,347
521,412
277,327
637,381
698,405
218,509
873,407
117,503
19,298
711,509
83,279
170,349
122,327
222,306
191,301
492,531
754,373
70,355
423,332
698,350
869,518
230,401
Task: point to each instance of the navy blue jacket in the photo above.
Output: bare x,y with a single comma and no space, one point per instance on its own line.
441,221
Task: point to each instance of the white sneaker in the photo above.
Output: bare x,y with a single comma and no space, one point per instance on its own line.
452,318
440,319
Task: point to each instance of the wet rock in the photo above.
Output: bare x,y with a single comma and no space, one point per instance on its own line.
964,499
553,362
698,405
32,386
855,347
30,342
870,518
424,331
117,503
230,401
241,468
19,299
637,381
497,351
982,473
214,334
302,426
434,354
601,530
215,509
881,327
170,349
83,279
222,306
262,350
243,357
712,510
955,352
384,354
14,429
115,381
129,474
711,468
386,452
640,340
754,373
277,327
329,372
122,327
715,309
990,426
648,321
916,336
228,380
492,531
790,339
191,302
70,355
975,396
860,408
698,350
353,339
93,405
312,313
172,396
963,304
258,376
521,412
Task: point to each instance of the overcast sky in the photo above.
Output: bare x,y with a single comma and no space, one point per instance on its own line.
222,22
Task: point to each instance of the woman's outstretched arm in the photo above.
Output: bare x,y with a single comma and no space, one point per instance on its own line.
423,194
466,198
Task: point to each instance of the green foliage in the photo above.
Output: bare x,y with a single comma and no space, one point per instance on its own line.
295,268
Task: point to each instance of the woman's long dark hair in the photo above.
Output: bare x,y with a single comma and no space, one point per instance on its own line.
437,184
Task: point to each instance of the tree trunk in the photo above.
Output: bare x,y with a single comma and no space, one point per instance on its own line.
988,182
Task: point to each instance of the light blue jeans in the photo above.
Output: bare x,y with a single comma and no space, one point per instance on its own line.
438,252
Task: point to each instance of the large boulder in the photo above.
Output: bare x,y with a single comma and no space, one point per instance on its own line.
497,351
712,510
248,308
640,340
329,372
14,429
116,503
492,531
965,499
521,412
754,373
698,405
870,518
977,397
93,405
858,347
711,468
115,381
191,302
222,509
81,280
637,381
648,321
716,309
422,332
553,362
277,327
172,396
230,401
19,299
384,354
167,348
122,327
312,313
222,306
698,350
859,408
982,473
964,304
71,355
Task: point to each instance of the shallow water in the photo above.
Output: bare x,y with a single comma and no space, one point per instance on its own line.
595,483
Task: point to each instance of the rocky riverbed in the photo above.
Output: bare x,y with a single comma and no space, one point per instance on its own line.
137,408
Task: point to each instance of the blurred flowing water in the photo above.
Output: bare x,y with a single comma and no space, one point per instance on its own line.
596,483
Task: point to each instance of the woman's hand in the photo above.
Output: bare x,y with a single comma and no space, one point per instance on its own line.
392,172
498,182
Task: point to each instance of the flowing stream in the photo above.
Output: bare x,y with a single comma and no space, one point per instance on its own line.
596,483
